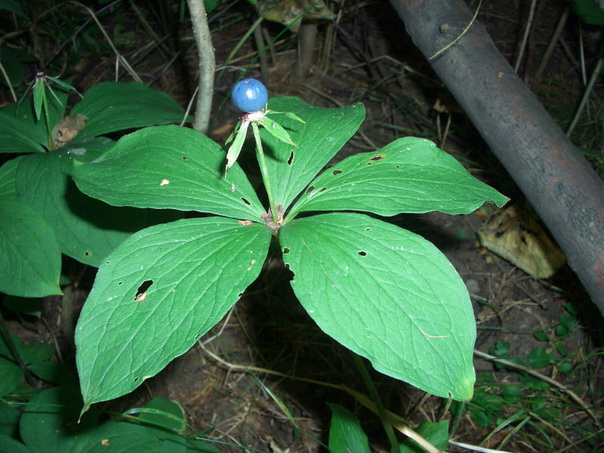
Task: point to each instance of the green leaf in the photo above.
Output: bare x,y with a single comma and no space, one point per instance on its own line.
345,433
11,445
8,172
10,376
410,175
12,6
164,413
435,433
276,130
539,358
322,135
50,421
115,106
30,260
157,294
9,422
20,131
590,11
86,229
388,295
169,167
117,437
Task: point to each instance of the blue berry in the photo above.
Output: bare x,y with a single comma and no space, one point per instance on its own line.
249,95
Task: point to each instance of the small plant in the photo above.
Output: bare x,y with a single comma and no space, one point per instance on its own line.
42,214
383,292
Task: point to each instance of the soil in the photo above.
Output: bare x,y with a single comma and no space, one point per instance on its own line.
246,383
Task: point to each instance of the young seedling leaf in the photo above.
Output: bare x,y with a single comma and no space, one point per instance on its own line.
388,295
30,259
276,130
169,167
321,135
235,149
157,294
86,229
410,175
115,106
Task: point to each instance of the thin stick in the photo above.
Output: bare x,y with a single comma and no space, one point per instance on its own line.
465,30
527,30
207,65
120,58
552,44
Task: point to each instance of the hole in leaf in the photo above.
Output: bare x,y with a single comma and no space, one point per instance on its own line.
290,160
185,158
119,283
246,201
322,189
86,253
310,189
336,172
362,253
397,166
141,292
285,250
367,229
135,380
377,157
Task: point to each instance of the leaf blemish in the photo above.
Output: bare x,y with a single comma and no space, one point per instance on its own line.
285,251
336,172
310,189
164,182
141,292
377,157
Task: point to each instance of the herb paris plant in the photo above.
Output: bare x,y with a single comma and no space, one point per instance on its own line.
381,291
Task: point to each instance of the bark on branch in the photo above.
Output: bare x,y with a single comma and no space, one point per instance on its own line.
548,168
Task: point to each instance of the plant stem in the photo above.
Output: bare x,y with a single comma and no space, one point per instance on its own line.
264,171
207,64
377,401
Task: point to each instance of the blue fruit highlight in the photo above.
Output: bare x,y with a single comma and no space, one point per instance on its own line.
249,95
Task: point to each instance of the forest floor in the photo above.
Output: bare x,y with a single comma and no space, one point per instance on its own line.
247,384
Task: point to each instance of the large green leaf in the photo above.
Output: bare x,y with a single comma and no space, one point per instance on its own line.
291,168
169,167
30,260
388,295
86,229
410,175
157,294
116,106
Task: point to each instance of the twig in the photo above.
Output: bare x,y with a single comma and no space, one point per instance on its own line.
527,30
207,64
552,44
120,58
588,89
396,421
465,30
